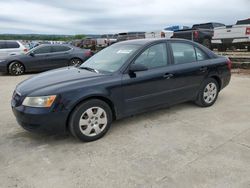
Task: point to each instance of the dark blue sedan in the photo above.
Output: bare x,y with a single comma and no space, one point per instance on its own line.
122,80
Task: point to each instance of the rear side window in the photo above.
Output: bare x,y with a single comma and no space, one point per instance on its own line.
60,48
183,53
187,53
12,45
200,55
43,50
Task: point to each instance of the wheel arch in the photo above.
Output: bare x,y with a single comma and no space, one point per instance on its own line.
218,80
102,98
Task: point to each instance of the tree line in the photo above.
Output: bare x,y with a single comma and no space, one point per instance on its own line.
40,37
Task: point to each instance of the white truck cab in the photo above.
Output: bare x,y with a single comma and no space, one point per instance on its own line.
237,36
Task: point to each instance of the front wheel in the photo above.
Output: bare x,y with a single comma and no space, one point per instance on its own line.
208,93
16,68
90,120
75,62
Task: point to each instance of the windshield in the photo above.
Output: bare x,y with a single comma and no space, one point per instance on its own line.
111,58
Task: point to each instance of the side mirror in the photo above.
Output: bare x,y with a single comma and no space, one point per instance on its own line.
137,68
32,54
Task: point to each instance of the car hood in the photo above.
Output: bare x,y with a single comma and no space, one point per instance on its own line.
55,80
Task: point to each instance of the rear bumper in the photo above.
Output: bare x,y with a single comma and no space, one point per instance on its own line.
245,40
225,80
40,119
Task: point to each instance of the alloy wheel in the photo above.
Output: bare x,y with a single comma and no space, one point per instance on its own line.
210,93
17,69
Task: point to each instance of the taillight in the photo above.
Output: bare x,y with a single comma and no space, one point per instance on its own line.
196,34
248,31
25,50
88,53
105,41
229,64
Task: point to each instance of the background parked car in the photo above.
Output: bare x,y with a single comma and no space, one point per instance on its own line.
159,34
106,40
201,33
44,57
8,48
130,36
237,36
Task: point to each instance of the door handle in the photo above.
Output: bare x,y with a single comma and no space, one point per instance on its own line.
168,76
203,69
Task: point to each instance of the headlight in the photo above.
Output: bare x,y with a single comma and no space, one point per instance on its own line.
42,101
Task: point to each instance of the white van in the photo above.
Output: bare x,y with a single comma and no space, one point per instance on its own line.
8,48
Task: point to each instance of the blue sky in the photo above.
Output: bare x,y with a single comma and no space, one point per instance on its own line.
112,16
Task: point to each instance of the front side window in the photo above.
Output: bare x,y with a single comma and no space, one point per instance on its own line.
183,53
154,56
42,50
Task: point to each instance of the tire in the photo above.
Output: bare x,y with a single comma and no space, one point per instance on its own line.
16,68
86,125
207,43
208,93
75,62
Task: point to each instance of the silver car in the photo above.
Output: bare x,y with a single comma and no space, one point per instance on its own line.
8,48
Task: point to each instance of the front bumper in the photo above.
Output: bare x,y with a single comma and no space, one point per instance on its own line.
40,119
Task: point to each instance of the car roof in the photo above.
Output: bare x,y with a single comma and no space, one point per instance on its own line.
56,45
148,41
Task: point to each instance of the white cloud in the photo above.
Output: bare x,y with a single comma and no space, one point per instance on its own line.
97,16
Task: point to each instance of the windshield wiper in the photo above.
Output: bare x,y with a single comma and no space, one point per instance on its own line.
89,69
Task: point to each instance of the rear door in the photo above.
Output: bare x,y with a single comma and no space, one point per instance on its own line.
189,68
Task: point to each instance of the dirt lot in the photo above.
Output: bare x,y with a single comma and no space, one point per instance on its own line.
183,146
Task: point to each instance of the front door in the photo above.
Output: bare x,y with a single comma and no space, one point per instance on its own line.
145,89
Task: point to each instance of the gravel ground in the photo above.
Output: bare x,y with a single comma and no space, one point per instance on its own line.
182,146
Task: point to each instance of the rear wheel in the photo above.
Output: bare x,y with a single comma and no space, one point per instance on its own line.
75,62
90,120
16,68
208,93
